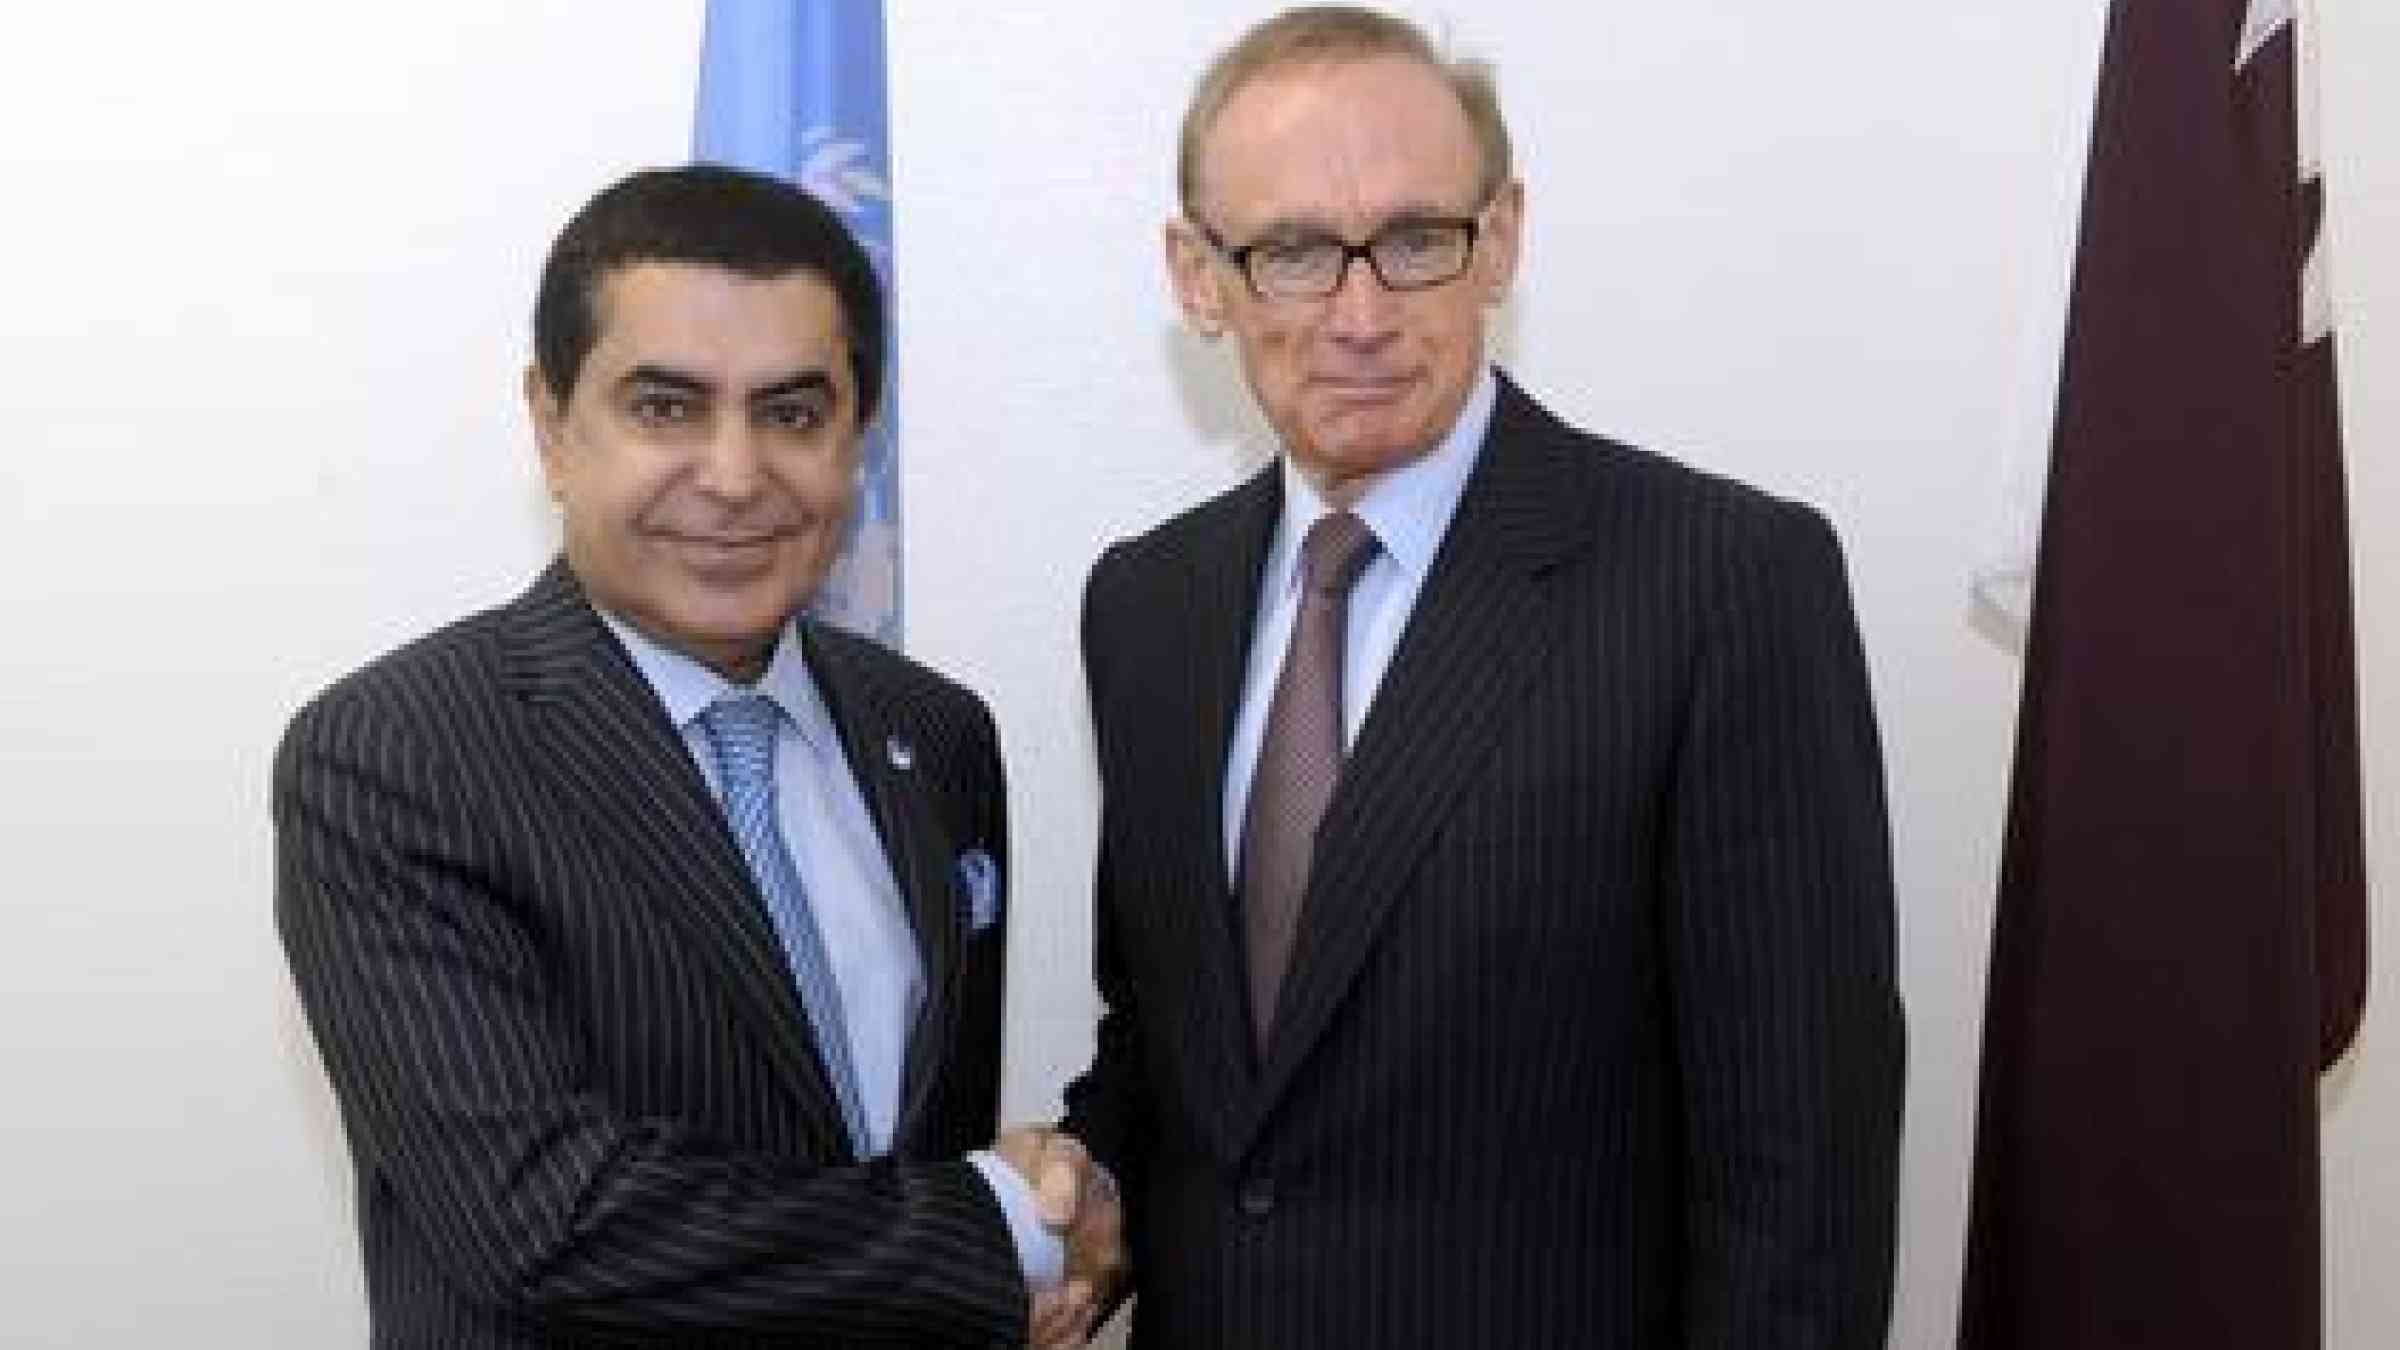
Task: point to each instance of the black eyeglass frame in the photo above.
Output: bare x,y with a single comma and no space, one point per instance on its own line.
1470,226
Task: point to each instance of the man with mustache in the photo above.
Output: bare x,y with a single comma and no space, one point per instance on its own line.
1494,911
652,934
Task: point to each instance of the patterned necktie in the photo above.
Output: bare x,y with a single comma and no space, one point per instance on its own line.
1299,758
741,729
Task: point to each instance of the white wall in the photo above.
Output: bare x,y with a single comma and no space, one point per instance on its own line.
267,308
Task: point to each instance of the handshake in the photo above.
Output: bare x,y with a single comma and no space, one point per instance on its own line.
1079,1204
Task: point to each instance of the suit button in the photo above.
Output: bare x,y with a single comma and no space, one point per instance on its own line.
1257,1198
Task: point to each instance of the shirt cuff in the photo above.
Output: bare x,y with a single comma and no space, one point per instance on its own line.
1041,1254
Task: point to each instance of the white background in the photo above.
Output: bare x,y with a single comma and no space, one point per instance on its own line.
268,273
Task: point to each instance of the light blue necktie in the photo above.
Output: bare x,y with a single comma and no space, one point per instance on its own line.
741,729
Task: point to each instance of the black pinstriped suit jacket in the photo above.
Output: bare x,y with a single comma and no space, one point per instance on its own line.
1590,1037
584,1102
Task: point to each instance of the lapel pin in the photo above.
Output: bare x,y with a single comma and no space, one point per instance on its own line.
902,755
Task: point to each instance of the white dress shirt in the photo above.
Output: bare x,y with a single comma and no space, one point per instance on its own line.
1409,510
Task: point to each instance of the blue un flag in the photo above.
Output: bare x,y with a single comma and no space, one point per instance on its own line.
795,88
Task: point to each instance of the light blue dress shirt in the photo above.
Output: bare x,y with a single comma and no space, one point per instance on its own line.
851,893
1409,509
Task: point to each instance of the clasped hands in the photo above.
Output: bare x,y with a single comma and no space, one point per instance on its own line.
1078,1201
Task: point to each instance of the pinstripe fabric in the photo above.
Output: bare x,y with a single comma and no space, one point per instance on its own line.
582,1097
1590,1036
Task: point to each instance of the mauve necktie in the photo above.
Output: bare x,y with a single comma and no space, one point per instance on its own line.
1300,757
741,729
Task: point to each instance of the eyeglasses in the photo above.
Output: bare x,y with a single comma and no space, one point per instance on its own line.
1406,255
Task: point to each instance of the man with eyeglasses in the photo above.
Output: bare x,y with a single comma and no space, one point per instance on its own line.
1494,910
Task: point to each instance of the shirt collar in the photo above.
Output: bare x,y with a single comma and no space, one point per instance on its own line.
686,687
1408,508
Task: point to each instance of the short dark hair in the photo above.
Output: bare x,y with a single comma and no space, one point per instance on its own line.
713,216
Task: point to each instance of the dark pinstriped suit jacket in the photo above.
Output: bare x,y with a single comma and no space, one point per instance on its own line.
1590,1037
582,1096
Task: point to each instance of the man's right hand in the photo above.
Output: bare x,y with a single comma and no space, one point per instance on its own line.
1077,1200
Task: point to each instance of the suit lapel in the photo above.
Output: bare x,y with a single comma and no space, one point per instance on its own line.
1216,621
604,743
880,746
1480,625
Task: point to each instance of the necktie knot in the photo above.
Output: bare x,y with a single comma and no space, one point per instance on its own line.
1335,550
741,729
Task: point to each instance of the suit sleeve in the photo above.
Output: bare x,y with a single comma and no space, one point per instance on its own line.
1787,1021
463,1092
1107,1105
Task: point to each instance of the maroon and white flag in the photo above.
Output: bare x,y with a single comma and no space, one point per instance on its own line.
2180,945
